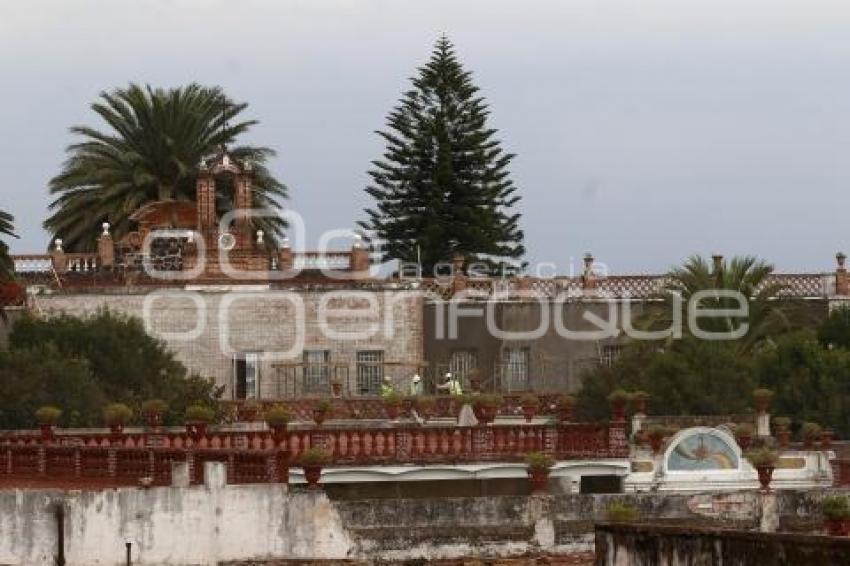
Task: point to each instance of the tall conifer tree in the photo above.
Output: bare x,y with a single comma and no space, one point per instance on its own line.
443,186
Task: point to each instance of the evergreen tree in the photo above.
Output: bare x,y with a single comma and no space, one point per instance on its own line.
443,187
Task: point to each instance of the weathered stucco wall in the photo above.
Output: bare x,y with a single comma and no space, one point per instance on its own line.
205,326
626,544
205,524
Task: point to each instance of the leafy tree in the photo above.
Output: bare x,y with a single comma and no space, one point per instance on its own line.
7,268
748,276
128,365
156,139
443,187
835,331
688,377
41,375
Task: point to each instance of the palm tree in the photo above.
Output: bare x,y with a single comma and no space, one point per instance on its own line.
747,275
7,267
156,139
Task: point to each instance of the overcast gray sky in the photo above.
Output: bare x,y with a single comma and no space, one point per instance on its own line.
645,130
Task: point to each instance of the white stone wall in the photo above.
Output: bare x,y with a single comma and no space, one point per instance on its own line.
205,326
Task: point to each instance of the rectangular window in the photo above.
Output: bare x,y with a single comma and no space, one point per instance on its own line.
370,371
317,374
515,362
609,354
247,375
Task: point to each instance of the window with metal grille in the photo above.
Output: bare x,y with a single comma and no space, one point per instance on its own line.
370,371
462,363
317,372
515,362
609,354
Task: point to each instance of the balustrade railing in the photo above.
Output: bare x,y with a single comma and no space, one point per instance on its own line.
264,456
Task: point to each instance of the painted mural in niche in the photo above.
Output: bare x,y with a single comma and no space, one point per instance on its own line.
702,451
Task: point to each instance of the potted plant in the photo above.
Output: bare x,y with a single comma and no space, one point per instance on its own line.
321,409
618,399
826,439
656,435
249,410
392,403
313,460
620,512
539,465
336,387
197,418
425,406
762,398
530,403
836,514
566,406
744,435
764,461
639,399
152,412
116,415
486,407
47,416
809,433
782,427
277,417
407,404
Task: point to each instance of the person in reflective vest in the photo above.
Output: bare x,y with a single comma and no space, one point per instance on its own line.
387,387
452,385
416,385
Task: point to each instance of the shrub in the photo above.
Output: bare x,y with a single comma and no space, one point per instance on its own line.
640,395
762,393
392,399
658,431
315,457
761,457
621,512
277,416
810,431
117,414
488,400
323,406
199,414
539,461
529,400
154,407
782,423
424,402
618,396
836,508
48,415
566,401
744,429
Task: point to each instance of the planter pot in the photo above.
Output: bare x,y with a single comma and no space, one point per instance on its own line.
407,406
656,443
765,475
197,430
153,420
278,432
618,410
336,389
809,443
837,527
639,405
116,429
744,440
47,431
248,414
826,439
392,411
529,412
539,478
641,438
761,405
312,474
319,416
784,437
475,383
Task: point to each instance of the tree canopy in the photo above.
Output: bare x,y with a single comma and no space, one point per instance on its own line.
442,186
7,269
151,150
81,363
